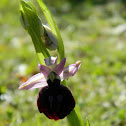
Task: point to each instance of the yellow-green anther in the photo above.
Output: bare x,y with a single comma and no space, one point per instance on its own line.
52,75
49,39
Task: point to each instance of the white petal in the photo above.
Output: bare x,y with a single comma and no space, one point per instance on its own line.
70,70
35,81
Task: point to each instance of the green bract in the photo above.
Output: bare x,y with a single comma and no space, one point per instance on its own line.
32,24
29,18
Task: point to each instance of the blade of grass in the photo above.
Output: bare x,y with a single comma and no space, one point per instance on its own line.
88,123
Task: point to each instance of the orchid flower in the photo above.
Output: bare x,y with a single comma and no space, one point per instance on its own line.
39,80
54,100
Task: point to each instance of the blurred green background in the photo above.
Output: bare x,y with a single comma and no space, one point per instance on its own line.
93,31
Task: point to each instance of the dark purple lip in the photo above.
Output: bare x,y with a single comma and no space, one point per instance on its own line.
55,100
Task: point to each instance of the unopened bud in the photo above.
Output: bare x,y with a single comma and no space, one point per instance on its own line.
49,39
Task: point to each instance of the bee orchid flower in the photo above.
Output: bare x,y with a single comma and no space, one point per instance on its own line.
54,99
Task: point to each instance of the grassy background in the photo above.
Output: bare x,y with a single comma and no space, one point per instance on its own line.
93,32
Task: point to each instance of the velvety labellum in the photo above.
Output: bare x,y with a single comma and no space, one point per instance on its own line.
55,100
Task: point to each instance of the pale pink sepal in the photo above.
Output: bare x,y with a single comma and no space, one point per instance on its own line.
51,61
35,81
59,68
44,69
70,70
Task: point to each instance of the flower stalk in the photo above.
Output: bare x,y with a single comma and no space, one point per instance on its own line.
73,118
32,24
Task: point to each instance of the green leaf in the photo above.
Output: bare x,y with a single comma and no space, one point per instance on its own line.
88,123
74,118
40,51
